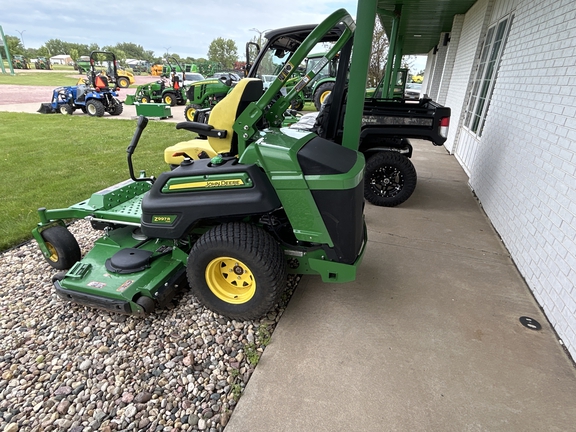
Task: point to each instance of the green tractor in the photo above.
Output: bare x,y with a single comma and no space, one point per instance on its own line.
204,94
43,63
263,202
168,89
318,89
20,62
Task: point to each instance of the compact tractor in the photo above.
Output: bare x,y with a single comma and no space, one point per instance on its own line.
95,96
169,89
250,202
20,62
43,63
204,94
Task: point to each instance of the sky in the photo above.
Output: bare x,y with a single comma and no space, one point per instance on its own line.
185,28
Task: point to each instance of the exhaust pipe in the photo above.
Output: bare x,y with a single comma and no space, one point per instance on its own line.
46,108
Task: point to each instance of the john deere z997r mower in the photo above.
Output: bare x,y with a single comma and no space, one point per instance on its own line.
251,202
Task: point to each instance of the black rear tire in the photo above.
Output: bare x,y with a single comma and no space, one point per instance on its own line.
190,111
95,108
322,93
123,82
118,109
64,248
389,179
170,99
237,270
297,104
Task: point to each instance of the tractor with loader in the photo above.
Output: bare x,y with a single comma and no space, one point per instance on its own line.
168,89
250,202
94,96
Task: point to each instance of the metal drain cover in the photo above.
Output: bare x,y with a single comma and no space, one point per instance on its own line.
530,323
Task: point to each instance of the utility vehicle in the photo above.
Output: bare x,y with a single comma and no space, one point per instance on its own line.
388,122
265,201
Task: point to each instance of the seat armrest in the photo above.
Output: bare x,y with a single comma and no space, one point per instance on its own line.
202,129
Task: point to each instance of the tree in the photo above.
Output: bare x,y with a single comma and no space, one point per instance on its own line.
223,51
56,47
15,46
74,55
378,56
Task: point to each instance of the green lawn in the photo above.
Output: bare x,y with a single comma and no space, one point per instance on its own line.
54,161
54,78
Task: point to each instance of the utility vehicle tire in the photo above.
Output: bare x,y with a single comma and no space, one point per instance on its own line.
66,109
237,270
322,93
190,111
144,99
389,179
123,82
297,105
95,108
118,109
63,247
169,99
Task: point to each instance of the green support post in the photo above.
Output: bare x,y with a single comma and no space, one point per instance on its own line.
365,17
5,45
387,86
396,65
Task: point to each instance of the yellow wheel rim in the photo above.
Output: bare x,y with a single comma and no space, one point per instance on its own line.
324,95
144,100
230,280
190,114
53,254
168,100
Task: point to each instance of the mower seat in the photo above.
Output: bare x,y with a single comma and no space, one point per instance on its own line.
217,137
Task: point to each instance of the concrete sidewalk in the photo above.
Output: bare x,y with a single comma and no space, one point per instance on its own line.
129,112
427,338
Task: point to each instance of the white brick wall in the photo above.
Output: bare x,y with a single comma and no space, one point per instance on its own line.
524,168
466,53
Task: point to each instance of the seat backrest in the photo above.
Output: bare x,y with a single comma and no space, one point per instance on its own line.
225,113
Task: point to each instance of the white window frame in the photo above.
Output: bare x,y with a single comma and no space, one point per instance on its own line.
486,74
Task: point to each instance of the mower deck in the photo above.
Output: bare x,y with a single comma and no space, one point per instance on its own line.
121,280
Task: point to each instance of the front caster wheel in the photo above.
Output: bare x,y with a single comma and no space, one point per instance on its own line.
237,270
62,246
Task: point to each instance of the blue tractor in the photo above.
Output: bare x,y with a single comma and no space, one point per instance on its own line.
94,97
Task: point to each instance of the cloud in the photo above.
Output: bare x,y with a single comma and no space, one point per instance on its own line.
184,28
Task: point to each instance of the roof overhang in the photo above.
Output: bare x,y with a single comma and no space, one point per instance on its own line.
421,21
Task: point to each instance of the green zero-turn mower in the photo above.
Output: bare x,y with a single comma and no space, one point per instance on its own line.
277,201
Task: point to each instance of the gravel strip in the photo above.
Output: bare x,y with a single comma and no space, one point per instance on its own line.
68,367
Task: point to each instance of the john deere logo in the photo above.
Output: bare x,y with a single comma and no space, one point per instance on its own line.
208,184
223,183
